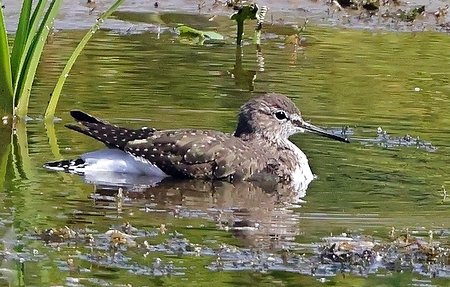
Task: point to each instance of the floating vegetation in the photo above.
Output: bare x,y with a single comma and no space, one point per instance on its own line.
385,140
418,252
161,251
361,255
197,36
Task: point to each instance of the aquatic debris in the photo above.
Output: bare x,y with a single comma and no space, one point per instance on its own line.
118,238
421,252
405,252
59,235
369,5
443,192
357,254
297,39
163,228
405,15
411,15
441,11
5,120
383,139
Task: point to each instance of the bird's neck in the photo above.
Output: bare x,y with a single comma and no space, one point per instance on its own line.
268,138
244,129
247,132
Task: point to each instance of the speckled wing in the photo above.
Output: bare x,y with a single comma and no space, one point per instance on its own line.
112,136
192,153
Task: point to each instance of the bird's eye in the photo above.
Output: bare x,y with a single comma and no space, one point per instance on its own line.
280,115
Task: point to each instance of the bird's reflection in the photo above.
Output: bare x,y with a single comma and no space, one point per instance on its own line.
260,214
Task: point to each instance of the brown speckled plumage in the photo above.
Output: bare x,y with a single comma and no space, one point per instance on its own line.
259,146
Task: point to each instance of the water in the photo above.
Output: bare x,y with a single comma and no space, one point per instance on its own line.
188,232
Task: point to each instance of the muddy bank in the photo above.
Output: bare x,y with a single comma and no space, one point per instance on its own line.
392,15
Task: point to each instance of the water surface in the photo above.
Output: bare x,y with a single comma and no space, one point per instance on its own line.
396,81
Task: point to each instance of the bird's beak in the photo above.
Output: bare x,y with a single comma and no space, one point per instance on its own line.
312,128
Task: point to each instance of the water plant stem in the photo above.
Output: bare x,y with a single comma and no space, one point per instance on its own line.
240,31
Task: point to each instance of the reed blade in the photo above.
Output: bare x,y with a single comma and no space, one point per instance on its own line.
51,108
32,60
33,26
21,38
6,88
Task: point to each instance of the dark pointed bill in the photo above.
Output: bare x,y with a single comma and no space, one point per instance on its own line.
322,132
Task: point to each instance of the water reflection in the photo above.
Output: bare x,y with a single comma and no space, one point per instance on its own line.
15,161
365,88
5,143
245,78
259,214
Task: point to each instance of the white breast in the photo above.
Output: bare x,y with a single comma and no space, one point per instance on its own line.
302,174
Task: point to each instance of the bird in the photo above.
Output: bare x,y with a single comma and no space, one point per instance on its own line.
258,149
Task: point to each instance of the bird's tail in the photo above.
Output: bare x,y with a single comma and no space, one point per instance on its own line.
72,165
112,136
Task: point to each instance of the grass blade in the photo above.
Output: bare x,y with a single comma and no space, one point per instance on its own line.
51,108
33,26
33,56
20,38
6,88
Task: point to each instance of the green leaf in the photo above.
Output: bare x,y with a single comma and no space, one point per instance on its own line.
6,88
33,25
213,35
20,38
33,56
50,112
190,32
187,31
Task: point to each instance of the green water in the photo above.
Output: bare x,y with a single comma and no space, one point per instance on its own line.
361,79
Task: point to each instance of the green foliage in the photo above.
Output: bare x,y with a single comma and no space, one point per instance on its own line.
31,56
6,89
198,36
18,69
